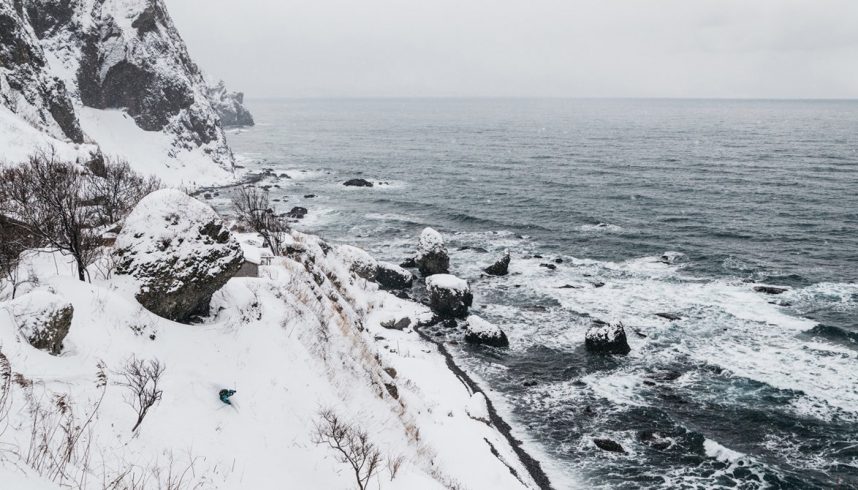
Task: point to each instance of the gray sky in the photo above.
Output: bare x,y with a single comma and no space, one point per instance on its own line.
578,48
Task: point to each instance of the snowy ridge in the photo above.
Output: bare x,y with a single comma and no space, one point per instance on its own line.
304,336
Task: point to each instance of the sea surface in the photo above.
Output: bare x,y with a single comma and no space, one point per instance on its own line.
642,207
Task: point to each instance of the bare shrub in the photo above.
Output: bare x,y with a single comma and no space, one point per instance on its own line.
254,208
115,189
141,377
352,443
46,197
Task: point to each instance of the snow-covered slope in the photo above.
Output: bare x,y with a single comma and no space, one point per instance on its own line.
303,337
60,56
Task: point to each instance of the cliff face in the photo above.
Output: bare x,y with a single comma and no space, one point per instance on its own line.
60,57
229,106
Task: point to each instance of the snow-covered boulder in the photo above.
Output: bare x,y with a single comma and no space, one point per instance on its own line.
480,331
43,318
449,296
432,255
605,338
501,267
359,261
178,251
391,277
229,106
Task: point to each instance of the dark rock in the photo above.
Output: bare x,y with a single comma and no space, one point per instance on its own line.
558,260
431,255
450,324
400,324
501,267
402,295
409,263
297,212
479,331
391,388
309,196
770,289
529,383
179,252
609,445
669,316
392,277
672,258
607,339
43,318
449,296
569,286
548,266
537,256
390,372
598,284
357,183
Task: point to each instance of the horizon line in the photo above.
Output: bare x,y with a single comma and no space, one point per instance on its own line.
543,97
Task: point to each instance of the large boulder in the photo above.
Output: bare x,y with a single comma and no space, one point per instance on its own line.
43,318
479,331
179,253
501,267
604,338
391,277
449,296
432,255
359,261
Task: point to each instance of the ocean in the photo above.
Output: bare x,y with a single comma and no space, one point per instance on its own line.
642,207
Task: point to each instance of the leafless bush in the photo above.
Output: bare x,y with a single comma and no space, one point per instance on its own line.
171,476
141,378
115,189
352,444
253,207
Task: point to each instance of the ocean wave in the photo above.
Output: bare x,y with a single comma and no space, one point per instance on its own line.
600,228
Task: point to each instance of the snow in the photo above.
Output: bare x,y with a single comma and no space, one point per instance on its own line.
359,260
304,335
19,140
150,152
604,333
481,327
430,241
35,309
446,281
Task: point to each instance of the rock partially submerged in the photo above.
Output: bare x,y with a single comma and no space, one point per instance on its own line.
297,212
479,331
449,296
179,253
357,183
43,318
500,267
609,445
770,289
432,255
604,338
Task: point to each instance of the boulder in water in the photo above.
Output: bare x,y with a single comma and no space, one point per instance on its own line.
43,318
609,445
178,251
501,267
480,331
357,183
770,289
432,255
607,339
449,296
297,212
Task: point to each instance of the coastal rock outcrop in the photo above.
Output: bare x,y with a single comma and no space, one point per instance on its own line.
229,106
603,338
479,331
43,318
500,267
178,251
449,296
357,183
359,261
432,257
392,277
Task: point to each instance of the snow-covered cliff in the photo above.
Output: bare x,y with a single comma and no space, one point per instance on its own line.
108,73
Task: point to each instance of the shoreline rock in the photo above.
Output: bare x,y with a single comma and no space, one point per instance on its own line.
357,183
432,257
479,331
500,267
449,296
604,338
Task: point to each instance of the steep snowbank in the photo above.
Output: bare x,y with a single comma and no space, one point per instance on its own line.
304,336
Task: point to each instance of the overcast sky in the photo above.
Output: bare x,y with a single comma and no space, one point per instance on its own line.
577,48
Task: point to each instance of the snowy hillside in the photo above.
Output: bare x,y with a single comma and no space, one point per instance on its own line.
303,340
108,73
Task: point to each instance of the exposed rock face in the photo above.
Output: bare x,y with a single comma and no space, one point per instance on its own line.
432,255
58,55
357,183
609,445
480,331
449,296
229,106
179,252
26,86
501,267
392,277
297,212
603,338
43,318
770,289
359,261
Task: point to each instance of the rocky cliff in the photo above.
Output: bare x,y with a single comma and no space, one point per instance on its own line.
68,65
229,106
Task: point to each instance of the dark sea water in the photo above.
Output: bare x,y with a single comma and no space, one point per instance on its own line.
746,390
